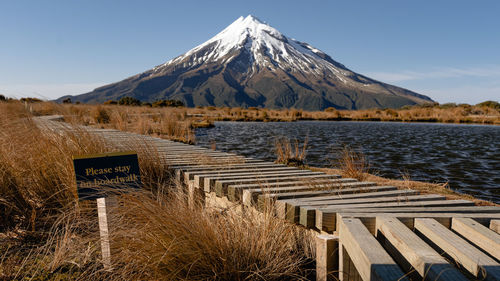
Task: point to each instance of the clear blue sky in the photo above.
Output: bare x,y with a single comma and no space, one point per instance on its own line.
449,50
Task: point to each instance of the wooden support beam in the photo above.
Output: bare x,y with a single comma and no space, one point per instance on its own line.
370,259
208,182
308,213
221,186
235,191
369,219
310,194
411,252
292,206
325,219
106,221
327,257
472,259
250,196
478,234
495,226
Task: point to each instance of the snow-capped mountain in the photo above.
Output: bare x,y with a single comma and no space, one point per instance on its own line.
250,63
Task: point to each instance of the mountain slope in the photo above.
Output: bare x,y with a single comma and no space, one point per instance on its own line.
250,63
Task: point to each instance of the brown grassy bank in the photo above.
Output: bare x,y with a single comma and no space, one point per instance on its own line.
178,122
484,113
47,234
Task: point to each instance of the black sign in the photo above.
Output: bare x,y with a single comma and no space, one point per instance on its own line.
99,175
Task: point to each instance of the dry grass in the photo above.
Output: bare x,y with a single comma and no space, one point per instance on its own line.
47,234
168,123
288,155
353,164
179,242
36,172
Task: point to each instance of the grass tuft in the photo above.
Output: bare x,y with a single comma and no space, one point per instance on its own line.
353,164
288,155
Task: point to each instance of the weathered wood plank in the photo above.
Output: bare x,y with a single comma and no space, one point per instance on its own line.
208,181
308,213
310,207
478,234
327,257
250,196
291,206
472,259
235,191
181,169
495,226
412,252
189,173
221,186
310,194
199,177
326,219
369,219
370,259
295,211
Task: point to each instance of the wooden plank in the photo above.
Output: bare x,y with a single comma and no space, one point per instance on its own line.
199,179
181,169
370,259
303,194
369,219
327,257
478,234
393,196
291,206
200,169
326,219
307,215
459,209
472,259
495,226
412,252
235,191
250,196
294,212
399,205
221,186
208,181
407,218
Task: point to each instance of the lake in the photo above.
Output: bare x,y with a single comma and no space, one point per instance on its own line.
467,157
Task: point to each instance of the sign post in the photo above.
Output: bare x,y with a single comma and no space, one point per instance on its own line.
101,177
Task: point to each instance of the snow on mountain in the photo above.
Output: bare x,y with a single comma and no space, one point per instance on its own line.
269,48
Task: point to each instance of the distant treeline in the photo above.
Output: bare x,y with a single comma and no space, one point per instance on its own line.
175,103
135,102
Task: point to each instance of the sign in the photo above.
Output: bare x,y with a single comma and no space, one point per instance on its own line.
99,175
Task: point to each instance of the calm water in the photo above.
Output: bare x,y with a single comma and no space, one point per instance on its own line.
465,156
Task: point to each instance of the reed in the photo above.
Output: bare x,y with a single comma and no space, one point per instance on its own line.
353,164
47,234
288,154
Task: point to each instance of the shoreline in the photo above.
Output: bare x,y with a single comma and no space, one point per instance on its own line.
357,120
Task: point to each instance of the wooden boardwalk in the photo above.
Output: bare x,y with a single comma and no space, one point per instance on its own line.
368,232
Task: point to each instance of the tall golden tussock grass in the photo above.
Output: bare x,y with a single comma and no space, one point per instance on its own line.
47,234
353,164
168,123
288,154
36,173
173,240
163,237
